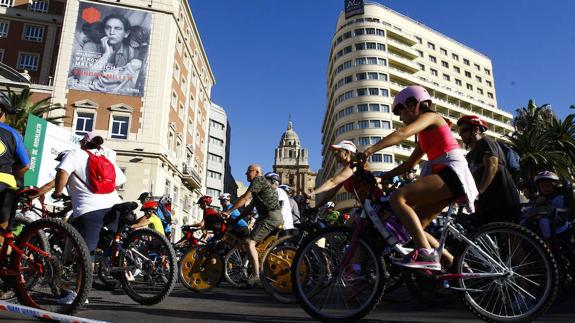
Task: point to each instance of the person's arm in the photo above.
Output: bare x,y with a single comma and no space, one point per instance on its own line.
333,182
327,196
142,222
421,123
241,201
20,171
45,189
490,164
409,164
61,180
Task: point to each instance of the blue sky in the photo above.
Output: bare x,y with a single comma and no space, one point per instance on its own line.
269,58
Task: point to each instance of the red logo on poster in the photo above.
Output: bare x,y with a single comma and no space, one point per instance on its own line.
91,15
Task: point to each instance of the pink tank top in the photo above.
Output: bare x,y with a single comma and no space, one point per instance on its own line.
437,142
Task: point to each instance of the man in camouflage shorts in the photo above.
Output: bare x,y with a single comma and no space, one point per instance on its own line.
265,199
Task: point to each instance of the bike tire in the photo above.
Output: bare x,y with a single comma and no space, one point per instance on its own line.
107,281
201,269
237,268
336,240
58,269
507,243
276,269
160,266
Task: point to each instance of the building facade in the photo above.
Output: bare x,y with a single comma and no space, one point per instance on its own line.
375,55
291,162
135,72
218,166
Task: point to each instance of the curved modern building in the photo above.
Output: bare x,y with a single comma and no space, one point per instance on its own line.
376,54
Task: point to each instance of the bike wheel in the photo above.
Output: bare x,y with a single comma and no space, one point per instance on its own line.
237,268
332,283
201,269
151,262
54,267
107,280
276,269
529,282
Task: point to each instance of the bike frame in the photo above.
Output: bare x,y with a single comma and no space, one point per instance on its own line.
9,242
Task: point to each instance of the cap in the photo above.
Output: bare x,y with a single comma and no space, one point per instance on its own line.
89,136
345,144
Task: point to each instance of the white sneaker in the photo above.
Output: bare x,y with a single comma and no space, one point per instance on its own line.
68,297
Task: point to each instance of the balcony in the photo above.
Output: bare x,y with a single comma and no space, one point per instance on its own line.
397,46
404,64
190,178
400,35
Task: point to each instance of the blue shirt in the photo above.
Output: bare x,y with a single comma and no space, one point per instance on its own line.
234,215
12,150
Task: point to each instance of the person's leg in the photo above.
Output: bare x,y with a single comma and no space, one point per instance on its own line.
426,214
425,192
253,256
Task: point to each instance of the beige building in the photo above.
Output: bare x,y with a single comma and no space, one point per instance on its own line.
161,133
375,55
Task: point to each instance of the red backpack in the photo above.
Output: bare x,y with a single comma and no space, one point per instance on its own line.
101,174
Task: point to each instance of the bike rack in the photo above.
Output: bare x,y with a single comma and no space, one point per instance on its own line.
41,314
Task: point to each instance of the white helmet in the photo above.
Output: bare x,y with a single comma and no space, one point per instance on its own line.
546,175
225,196
329,204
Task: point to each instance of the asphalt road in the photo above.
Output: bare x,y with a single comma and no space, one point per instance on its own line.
226,304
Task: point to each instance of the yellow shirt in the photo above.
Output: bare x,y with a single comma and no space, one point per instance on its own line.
156,224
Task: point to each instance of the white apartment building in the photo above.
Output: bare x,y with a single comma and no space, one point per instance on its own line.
376,54
217,153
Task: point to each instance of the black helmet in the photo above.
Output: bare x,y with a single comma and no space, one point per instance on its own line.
6,104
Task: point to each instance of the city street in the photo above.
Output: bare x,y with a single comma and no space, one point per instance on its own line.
226,304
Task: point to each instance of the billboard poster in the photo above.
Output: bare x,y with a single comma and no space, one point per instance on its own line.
110,50
353,8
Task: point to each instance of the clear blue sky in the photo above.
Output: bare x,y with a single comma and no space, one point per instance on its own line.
269,58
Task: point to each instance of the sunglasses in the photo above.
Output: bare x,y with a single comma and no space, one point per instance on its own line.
464,130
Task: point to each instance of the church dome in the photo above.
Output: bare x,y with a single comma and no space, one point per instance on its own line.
290,138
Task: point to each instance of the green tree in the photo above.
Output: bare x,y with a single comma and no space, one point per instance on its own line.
533,116
22,101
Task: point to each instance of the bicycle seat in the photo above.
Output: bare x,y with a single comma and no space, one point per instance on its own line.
124,207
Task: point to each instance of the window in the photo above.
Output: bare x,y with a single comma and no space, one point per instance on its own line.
469,86
433,72
27,61
490,95
167,186
466,61
374,124
363,124
419,40
467,74
4,28
374,140
213,192
373,91
216,125
361,92
176,72
38,6
480,91
174,101
359,32
432,59
458,82
361,76
478,79
370,31
376,158
362,108
120,127
455,56
456,69
84,123
215,158
33,33
421,67
477,67
445,64
363,141
216,141
385,108
446,77
1,54
387,158
386,125
176,196
360,46
215,175
487,71
443,51
370,45
6,3
380,32
420,53
489,83
374,107
431,45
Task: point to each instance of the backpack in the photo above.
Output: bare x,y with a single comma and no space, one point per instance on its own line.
101,174
512,159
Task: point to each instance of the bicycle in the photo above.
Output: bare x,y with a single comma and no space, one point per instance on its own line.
49,267
504,272
142,260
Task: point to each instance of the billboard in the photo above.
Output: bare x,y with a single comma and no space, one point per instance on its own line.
110,51
353,8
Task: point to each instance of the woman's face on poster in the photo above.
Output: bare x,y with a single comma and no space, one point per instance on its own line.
115,31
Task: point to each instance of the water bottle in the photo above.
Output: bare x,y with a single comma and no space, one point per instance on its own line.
374,217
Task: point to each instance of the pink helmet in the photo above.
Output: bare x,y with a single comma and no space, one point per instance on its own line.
417,92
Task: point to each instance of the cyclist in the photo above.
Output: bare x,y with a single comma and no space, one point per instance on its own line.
239,228
274,180
265,199
498,195
211,220
14,160
546,206
150,218
292,203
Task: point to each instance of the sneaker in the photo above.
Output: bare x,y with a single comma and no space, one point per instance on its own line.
68,297
419,258
253,280
7,295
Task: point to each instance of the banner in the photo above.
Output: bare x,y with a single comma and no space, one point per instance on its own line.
353,8
110,50
44,141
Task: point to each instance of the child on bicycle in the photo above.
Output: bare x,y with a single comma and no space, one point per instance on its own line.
546,208
150,219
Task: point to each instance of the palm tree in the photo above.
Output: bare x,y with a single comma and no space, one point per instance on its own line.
25,107
533,116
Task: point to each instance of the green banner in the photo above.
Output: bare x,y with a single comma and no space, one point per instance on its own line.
34,142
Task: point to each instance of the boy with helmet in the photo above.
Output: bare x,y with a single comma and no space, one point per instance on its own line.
293,204
14,160
150,218
211,220
544,208
239,228
286,211
498,195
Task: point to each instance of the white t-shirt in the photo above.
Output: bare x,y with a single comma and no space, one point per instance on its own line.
286,209
75,164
